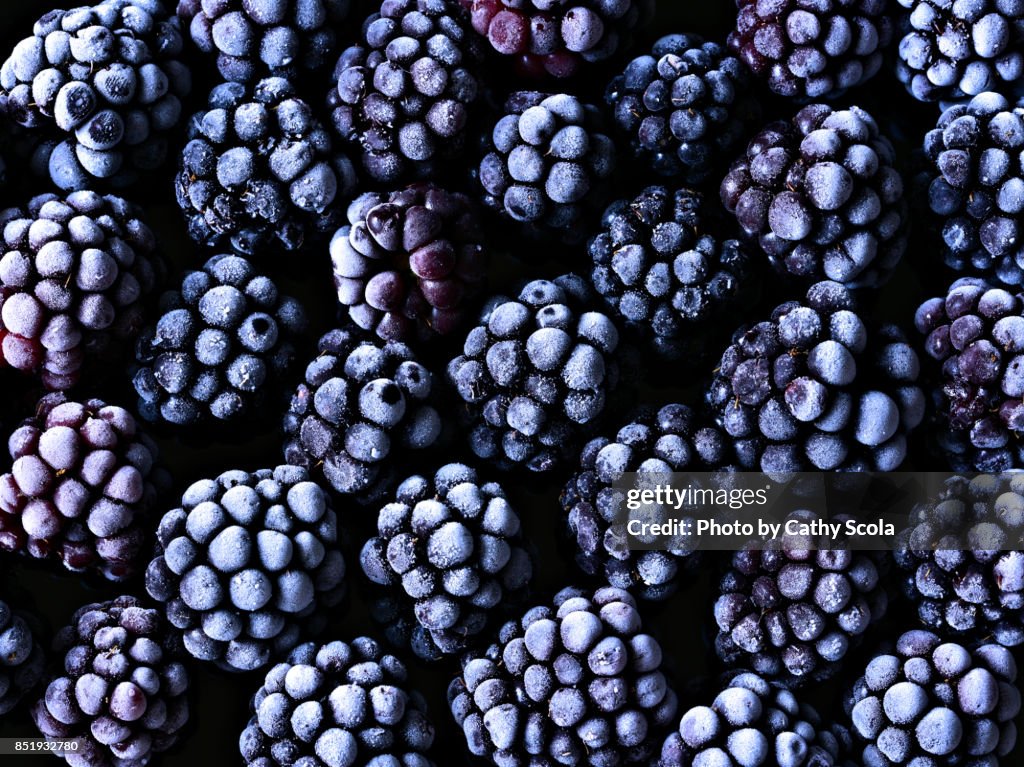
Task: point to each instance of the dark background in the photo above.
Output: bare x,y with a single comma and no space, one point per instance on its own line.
220,702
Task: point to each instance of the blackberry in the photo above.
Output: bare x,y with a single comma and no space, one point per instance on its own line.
663,268
73,274
82,488
410,262
362,400
103,87
934,703
813,388
953,51
578,683
223,341
247,564
536,374
968,592
259,170
255,38
975,332
812,50
546,164
22,662
451,554
976,187
754,724
405,95
117,686
655,442
684,106
791,613
822,197
342,703
557,38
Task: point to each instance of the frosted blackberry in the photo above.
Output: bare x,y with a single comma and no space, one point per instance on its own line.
975,592
822,197
546,164
259,170
957,50
976,187
814,388
535,375
102,86
255,38
22,662
342,703
406,93
684,106
936,704
73,276
362,400
751,723
578,683
222,344
82,488
975,333
792,614
655,442
409,263
557,38
663,266
248,565
117,686
809,50
450,553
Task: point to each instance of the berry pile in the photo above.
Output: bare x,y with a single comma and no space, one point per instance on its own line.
102,87
409,264
82,488
21,657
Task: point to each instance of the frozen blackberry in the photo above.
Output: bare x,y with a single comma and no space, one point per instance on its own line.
117,687
259,170
82,488
536,374
970,592
812,50
73,274
450,552
957,50
102,86
247,565
255,38
976,187
684,106
405,95
578,683
221,345
653,443
546,164
976,333
936,704
557,38
813,388
362,400
822,197
409,263
792,613
753,724
22,662
664,269
342,703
